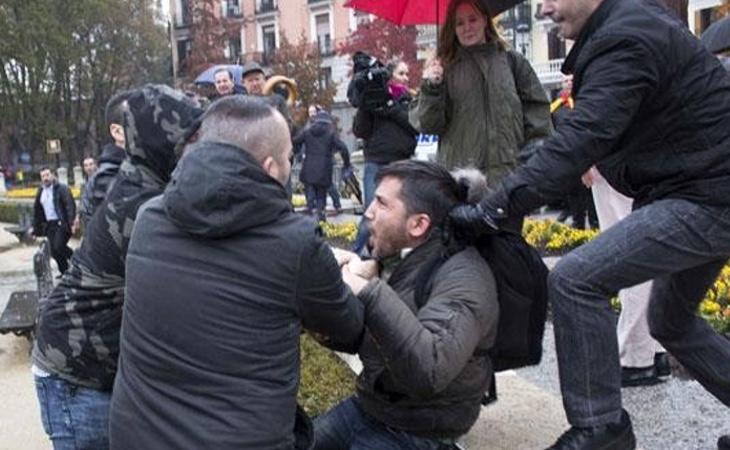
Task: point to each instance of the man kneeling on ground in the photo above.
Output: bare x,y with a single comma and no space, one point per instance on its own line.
425,368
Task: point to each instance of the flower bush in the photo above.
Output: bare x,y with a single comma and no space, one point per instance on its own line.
716,305
29,192
298,200
346,231
553,238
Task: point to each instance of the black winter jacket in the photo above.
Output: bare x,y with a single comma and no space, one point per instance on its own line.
652,111
420,374
320,142
221,278
99,184
63,202
387,133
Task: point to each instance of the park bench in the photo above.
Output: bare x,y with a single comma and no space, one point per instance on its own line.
21,312
25,223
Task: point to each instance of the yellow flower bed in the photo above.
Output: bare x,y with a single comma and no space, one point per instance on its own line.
346,231
553,237
298,200
29,192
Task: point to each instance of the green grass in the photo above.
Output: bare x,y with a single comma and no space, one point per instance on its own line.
325,379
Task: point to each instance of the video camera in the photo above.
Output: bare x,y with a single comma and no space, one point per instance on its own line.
368,89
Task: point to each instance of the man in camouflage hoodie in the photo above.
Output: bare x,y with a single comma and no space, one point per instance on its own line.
77,340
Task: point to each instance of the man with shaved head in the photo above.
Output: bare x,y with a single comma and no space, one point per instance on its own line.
221,278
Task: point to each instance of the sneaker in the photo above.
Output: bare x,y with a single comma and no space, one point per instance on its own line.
661,364
639,376
614,436
724,442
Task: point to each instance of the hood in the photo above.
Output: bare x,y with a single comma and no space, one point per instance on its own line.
112,154
219,190
321,123
156,119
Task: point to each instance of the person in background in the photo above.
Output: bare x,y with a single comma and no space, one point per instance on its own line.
112,155
301,151
53,216
225,84
387,137
89,167
320,141
483,99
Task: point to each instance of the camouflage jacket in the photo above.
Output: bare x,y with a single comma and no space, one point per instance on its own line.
77,336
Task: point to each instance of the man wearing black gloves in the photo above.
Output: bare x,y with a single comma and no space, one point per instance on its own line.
653,114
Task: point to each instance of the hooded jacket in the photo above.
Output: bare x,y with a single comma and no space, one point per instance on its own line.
420,372
652,112
221,278
101,181
77,335
320,142
488,107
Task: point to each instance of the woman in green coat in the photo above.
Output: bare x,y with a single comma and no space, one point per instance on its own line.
482,99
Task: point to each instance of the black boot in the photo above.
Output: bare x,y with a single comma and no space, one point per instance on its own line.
724,442
661,363
615,436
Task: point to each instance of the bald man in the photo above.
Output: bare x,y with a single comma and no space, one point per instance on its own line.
221,278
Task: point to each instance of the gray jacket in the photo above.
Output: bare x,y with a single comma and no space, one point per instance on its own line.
420,373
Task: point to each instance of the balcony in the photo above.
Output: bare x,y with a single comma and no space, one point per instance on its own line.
266,6
324,44
549,72
234,12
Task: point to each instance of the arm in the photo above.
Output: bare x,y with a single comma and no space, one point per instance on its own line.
326,305
426,351
362,125
69,206
428,109
398,113
342,148
535,104
615,83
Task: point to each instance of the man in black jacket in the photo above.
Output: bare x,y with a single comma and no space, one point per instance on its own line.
425,363
111,158
53,216
221,278
653,114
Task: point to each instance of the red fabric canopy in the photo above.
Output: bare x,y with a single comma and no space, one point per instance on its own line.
404,12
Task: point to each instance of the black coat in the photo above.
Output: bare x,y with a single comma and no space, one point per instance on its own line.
221,278
652,111
64,204
320,142
387,133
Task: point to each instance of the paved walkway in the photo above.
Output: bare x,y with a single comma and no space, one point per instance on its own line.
677,415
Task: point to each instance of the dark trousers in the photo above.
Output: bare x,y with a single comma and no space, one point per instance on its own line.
682,246
58,236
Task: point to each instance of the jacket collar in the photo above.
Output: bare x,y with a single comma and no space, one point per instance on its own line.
594,22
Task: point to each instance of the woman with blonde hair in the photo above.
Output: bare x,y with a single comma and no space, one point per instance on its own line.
482,98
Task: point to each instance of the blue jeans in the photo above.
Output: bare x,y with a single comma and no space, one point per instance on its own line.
74,417
346,426
679,244
370,171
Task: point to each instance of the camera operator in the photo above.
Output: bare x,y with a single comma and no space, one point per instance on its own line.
381,96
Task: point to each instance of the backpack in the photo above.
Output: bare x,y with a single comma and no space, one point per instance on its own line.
521,278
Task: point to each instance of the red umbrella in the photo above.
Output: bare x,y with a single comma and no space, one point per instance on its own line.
404,12
416,12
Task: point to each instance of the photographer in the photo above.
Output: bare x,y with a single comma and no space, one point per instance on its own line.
382,97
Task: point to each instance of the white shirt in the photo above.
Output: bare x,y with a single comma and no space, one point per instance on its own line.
47,203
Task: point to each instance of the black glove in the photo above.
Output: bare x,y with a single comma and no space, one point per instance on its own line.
474,220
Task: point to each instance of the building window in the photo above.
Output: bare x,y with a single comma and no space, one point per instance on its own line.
183,51
556,45
264,6
184,15
234,49
325,77
322,31
358,18
233,8
268,43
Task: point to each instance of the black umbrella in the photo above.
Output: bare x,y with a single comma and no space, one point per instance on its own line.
716,38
